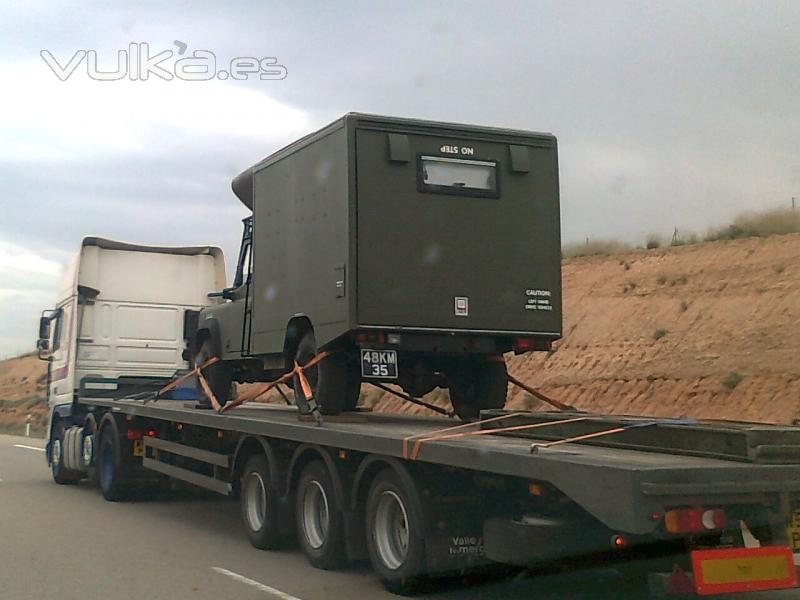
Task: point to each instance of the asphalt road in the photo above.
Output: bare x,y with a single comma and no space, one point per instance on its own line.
67,542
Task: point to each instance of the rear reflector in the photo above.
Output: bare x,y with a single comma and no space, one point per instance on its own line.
694,520
133,434
743,570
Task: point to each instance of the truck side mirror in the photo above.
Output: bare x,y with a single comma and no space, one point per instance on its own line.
226,294
44,329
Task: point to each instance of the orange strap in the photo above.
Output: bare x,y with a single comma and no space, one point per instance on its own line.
454,428
443,434
264,388
196,371
579,438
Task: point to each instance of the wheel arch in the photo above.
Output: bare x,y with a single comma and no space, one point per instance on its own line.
252,445
296,328
369,469
303,455
208,330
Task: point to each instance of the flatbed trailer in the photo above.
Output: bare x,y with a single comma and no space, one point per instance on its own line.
704,505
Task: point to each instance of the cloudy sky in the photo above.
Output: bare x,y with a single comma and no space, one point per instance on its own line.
668,114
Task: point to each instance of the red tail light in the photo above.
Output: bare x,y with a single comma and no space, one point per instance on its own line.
523,344
151,433
695,520
371,337
134,434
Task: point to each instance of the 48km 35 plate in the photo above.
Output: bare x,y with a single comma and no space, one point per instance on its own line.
379,364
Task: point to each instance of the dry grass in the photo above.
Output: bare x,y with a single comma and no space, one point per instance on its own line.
594,248
778,221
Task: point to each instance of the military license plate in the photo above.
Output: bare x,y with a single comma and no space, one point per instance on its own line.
138,448
379,364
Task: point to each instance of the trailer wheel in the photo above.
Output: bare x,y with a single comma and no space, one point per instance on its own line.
259,506
394,534
334,381
218,375
477,387
109,457
320,524
61,475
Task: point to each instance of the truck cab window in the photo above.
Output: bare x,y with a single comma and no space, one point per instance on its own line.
58,330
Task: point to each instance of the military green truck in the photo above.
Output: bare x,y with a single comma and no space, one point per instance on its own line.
412,252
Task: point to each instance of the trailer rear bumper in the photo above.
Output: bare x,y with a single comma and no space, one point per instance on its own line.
537,540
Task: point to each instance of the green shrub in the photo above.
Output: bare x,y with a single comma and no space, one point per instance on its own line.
731,380
659,333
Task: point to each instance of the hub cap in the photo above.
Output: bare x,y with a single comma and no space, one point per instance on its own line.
315,515
391,530
55,452
255,497
88,450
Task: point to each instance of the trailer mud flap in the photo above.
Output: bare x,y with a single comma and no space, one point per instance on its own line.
743,570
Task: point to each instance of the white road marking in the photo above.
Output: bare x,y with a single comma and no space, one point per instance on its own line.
28,447
254,584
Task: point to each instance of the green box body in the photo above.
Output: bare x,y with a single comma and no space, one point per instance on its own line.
350,232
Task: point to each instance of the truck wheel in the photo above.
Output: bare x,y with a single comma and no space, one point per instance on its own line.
320,524
218,375
109,457
61,475
89,451
334,381
479,386
259,506
394,534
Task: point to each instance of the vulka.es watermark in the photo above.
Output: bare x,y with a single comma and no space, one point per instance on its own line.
137,63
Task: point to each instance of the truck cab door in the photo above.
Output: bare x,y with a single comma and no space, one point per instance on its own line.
55,346
234,316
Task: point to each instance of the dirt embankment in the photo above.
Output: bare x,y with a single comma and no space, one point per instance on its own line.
22,392
707,331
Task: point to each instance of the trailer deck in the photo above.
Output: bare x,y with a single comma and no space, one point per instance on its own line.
620,486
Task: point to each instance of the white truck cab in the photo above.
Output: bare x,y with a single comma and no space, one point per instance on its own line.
123,314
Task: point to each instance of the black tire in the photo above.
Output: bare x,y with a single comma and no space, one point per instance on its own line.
477,386
320,522
259,504
61,475
334,381
109,464
219,375
394,529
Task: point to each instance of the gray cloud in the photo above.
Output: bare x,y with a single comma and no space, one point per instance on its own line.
668,113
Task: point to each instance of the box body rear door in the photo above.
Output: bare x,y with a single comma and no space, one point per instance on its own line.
452,235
